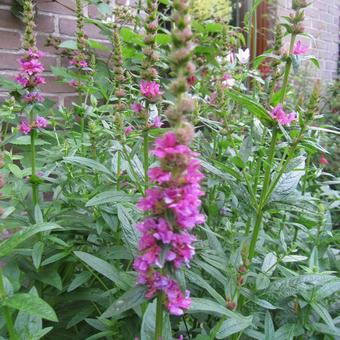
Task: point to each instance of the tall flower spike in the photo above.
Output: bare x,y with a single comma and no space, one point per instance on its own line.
181,62
81,40
30,65
150,72
173,198
29,40
79,59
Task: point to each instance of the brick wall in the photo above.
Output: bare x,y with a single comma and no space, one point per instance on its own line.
53,18
322,22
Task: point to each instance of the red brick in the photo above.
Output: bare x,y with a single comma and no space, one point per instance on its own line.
68,27
93,12
62,7
54,85
70,99
10,40
45,23
8,61
8,20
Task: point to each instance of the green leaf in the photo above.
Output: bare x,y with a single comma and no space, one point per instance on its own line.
232,326
79,280
262,281
26,324
199,305
111,196
130,233
37,252
97,45
148,324
288,332
69,44
129,36
132,298
292,285
199,281
269,330
294,258
163,39
9,84
212,271
7,246
324,329
104,8
289,180
323,313
269,264
31,304
327,290
103,267
213,27
55,258
255,108
89,163
15,170
38,216
26,140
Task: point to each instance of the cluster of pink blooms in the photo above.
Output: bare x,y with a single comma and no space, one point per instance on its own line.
299,48
29,77
150,90
281,116
78,60
173,203
40,123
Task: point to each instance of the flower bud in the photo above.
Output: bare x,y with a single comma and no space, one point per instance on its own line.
299,4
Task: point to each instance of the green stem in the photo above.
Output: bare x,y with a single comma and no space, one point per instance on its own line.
262,203
159,319
146,156
119,161
35,196
82,128
287,69
7,314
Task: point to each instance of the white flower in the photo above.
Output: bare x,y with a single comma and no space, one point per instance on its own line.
243,56
219,60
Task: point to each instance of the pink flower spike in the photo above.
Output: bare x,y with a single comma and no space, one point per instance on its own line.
83,63
32,66
22,80
35,53
150,89
280,116
39,80
33,97
299,48
128,130
41,122
25,127
136,107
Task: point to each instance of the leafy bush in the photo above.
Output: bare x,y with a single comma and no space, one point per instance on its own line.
266,251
